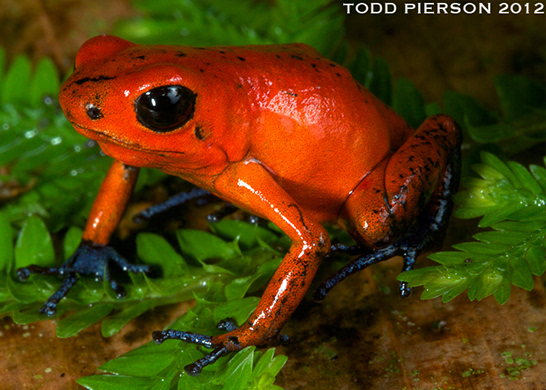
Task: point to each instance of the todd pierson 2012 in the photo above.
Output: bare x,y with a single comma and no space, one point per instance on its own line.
427,8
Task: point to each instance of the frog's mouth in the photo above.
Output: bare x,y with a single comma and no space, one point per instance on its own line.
101,137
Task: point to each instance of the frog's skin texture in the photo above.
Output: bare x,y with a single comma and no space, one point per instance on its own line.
277,130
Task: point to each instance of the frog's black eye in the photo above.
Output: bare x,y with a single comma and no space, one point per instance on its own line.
166,108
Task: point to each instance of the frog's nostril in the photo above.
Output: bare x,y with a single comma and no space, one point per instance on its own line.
93,111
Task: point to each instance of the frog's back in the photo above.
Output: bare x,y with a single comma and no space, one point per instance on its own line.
318,131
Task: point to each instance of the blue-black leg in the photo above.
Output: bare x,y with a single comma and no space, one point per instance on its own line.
88,259
194,369
356,265
181,198
173,201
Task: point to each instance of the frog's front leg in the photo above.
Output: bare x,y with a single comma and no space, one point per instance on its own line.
93,254
248,184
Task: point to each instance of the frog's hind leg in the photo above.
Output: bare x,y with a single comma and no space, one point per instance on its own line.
403,207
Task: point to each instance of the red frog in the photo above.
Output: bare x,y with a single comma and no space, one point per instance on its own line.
277,130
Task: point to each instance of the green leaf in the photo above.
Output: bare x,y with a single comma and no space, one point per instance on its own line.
540,175
381,84
361,67
491,280
156,251
525,178
519,95
117,382
23,292
502,293
246,234
520,274
490,133
44,82
482,248
449,258
239,310
500,214
114,323
237,288
497,237
466,110
29,314
496,163
75,323
238,370
201,246
420,277
34,245
456,289
6,245
71,241
520,226
146,361
536,259
408,102
16,83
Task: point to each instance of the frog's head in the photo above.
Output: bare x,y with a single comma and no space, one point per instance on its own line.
139,103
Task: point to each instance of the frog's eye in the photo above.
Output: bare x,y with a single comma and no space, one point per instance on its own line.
166,108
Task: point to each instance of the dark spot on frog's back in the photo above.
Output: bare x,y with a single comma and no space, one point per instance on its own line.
296,57
181,54
93,79
241,59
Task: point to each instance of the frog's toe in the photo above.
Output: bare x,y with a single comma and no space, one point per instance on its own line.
24,273
50,307
196,367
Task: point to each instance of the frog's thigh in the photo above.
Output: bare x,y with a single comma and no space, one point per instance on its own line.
388,200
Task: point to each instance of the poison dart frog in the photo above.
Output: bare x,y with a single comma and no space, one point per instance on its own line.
277,130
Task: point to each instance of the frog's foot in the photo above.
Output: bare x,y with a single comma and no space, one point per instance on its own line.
87,260
235,340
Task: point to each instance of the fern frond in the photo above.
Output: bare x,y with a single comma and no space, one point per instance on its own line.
512,202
